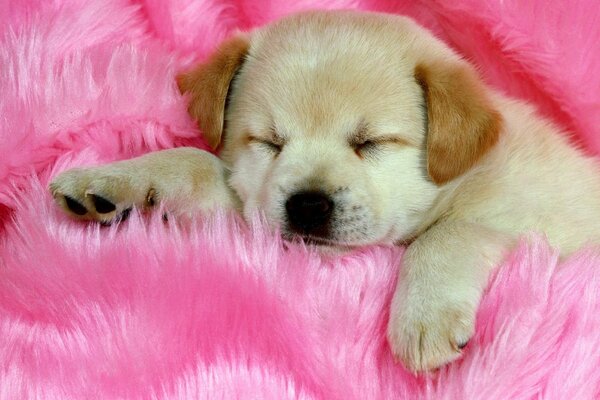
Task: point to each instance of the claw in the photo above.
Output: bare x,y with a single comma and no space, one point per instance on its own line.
120,218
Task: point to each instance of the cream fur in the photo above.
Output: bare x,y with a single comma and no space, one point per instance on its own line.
311,82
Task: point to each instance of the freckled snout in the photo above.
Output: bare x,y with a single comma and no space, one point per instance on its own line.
309,213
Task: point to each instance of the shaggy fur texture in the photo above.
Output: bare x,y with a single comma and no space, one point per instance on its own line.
216,309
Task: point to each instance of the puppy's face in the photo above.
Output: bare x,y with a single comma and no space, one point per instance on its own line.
328,125
325,136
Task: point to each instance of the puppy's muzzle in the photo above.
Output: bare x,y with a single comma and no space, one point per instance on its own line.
309,213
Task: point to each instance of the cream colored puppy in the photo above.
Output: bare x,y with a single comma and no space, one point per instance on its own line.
349,129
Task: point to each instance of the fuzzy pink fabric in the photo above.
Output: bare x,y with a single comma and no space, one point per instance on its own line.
217,309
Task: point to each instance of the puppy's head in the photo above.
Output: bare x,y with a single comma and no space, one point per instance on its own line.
342,127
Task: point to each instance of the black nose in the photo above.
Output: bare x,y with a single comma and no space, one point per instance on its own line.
309,213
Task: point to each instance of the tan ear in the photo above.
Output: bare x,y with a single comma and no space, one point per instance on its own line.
208,85
462,124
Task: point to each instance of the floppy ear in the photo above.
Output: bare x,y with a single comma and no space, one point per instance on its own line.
462,124
208,85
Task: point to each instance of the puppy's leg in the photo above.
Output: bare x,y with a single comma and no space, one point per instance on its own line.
442,278
185,180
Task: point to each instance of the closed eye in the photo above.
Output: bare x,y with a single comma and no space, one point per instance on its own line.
366,143
367,147
267,144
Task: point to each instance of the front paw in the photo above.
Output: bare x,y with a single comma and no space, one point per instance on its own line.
426,331
99,194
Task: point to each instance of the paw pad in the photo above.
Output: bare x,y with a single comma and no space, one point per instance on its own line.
75,206
102,205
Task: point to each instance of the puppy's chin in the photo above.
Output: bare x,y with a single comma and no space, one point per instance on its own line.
323,246
334,250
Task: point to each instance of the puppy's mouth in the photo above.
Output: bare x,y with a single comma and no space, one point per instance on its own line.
317,241
314,241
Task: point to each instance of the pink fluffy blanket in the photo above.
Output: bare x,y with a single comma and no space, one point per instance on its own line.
221,310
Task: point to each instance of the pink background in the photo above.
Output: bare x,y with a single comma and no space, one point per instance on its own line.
217,310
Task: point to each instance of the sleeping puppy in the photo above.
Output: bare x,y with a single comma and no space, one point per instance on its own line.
348,129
